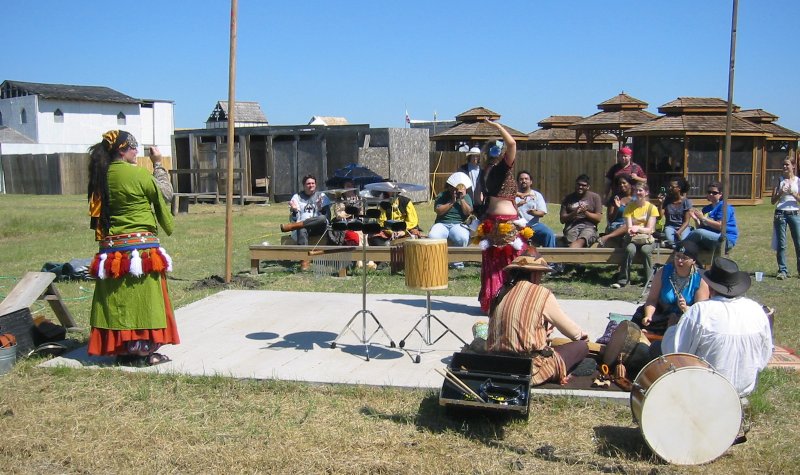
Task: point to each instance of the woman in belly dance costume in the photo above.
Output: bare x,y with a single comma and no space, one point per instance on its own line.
500,241
131,310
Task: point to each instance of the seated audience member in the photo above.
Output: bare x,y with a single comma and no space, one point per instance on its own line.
640,222
396,208
473,170
344,209
709,221
580,213
308,214
615,227
452,206
676,287
624,166
532,208
677,209
729,331
522,317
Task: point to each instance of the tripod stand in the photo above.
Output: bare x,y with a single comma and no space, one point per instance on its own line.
362,338
426,269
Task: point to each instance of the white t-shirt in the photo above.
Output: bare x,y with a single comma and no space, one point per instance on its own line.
532,201
788,202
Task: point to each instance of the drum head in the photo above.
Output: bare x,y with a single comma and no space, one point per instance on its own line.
690,416
623,340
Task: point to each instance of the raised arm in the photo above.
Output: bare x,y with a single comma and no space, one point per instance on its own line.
511,144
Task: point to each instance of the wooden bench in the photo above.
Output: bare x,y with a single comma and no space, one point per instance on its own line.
553,255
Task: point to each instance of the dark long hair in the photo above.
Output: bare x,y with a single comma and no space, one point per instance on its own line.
99,160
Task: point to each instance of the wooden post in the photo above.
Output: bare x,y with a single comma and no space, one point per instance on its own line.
726,164
231,120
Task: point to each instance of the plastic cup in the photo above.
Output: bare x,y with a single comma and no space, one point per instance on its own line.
759,276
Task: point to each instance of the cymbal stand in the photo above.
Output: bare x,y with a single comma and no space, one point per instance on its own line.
425,333
362,338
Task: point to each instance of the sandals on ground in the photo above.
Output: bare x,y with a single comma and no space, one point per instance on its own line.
137,361
157,358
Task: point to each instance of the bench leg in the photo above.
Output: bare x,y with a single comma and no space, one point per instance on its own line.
254,264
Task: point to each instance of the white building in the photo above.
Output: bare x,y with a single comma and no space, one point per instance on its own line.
64,118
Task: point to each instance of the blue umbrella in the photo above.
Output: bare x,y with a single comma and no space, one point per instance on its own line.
358,174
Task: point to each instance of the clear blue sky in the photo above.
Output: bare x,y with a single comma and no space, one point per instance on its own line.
370,60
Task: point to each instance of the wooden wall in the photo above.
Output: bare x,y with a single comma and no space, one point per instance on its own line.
53,173
553,171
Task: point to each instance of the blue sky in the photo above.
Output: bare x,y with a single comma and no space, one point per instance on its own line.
370,60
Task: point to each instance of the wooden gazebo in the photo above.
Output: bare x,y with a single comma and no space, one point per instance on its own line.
616,116
689,140
471,128
781,144
555,134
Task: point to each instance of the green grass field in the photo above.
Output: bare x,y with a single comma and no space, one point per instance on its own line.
90,421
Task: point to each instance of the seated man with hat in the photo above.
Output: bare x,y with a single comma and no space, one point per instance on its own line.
522,317
729,331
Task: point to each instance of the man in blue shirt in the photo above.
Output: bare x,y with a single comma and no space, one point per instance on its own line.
709,221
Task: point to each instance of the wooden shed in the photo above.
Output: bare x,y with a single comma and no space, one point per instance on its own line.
689,140
555,134
270,161
781,144
471,128
616,116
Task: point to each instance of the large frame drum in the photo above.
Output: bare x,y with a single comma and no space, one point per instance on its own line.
426,263
687,412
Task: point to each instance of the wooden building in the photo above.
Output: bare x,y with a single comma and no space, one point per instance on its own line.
470,128
616,116
782,143
246,114
270,161
689,140
555,134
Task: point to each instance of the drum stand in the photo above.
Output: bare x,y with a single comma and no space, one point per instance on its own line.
425,333
364,312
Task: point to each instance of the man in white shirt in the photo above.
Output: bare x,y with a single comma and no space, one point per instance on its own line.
729,331
532,208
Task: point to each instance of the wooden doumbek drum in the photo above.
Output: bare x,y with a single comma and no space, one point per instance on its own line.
426,263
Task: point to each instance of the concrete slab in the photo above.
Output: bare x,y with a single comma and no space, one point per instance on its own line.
287,335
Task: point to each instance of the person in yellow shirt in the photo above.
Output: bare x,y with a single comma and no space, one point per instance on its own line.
640,219
395,208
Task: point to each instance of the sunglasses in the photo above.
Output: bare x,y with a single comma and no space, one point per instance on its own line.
713,192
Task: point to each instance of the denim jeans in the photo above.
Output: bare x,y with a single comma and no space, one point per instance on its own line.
455,233
707,239
671,233
542,235
780,223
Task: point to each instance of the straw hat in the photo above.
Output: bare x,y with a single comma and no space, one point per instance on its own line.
529,263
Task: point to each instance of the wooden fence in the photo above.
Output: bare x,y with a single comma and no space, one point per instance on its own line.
53,173
553,171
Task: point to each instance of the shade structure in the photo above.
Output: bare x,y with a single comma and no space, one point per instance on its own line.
358,174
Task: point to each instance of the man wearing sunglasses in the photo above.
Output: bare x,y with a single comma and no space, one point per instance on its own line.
709,221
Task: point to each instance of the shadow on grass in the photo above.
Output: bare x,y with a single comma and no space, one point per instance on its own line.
623,442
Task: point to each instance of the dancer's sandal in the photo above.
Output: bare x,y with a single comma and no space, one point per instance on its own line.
157,359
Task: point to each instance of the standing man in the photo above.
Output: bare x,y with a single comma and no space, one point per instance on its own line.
532,207
453,206
624,166
308,210
729,331
581,211
473,170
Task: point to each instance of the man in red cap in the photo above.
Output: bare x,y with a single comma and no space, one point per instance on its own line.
624,166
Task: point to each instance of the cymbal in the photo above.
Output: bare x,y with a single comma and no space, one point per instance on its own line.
338,191
390,187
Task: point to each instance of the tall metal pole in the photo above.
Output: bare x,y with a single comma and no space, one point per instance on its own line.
726,159
231,132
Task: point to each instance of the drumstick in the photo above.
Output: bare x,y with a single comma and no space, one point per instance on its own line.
317,252
455,380
460,385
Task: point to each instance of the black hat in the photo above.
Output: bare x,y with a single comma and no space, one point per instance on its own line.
688,249
726,279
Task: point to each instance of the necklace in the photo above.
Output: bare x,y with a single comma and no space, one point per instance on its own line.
680,282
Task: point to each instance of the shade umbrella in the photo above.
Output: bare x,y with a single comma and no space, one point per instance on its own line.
358,174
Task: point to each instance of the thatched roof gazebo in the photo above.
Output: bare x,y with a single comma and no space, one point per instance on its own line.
616,116
471,128
689,140
555,134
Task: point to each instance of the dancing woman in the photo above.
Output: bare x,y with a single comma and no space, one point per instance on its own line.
500,240
131,316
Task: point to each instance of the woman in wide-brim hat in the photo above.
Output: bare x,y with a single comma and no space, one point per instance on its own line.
522,317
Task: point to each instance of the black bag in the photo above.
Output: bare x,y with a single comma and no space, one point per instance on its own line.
20,324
